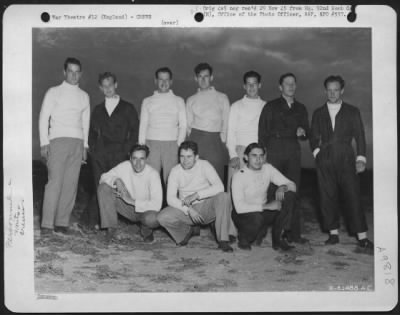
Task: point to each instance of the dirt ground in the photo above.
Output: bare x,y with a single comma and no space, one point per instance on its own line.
87,263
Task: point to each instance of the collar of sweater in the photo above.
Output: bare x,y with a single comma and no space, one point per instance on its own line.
169,93
69,86
209,89
247,99
334,105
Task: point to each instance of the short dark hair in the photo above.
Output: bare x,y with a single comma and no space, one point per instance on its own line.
107,75
203,66
286,75
71,60
251,146
139,147
251,74
165,70
186,145
334,78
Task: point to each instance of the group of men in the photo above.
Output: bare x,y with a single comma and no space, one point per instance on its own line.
192,144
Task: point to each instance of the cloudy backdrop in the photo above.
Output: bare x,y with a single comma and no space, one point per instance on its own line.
135,53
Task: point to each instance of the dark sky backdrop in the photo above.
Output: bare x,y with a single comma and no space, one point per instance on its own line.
135,53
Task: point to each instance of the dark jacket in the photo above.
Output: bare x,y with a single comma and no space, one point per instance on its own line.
348,126
116,132
278,121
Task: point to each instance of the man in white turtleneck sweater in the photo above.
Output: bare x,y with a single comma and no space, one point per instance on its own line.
163,123
243,122
63,128
333,128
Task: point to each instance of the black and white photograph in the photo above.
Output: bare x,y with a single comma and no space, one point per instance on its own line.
202,159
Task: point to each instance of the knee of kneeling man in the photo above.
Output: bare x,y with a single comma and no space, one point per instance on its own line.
222,196
103,187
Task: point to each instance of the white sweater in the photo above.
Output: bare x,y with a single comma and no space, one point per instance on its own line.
243,123
162,117
65,113
201,178
249,187
144,187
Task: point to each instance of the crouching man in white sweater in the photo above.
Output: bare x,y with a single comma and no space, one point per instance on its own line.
252,211
133,190
196,196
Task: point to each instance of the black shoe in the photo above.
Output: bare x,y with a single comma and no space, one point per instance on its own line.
245,246
46,232
232,239
149,238
62,229
332,240
365,244
224,245
187,237
282,244
300,240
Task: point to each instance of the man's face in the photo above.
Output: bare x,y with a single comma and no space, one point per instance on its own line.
204,79
187,159
108,87
334,91
256,159
163,82
138,161
252,86
288,87
72,74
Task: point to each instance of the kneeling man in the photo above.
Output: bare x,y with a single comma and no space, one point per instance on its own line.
252,212
195,196
132,189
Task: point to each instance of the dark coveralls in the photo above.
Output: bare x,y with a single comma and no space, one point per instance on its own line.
335,165
110,139
277,133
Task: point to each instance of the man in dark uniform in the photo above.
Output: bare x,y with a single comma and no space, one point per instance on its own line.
114,128
333,127
282,122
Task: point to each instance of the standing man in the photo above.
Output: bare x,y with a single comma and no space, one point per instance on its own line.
244,116
207,119
163,123
113,130
195,196
283,122
63,129
333,128
133,190
253,211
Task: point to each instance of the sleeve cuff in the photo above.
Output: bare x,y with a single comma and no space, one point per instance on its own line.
361,158
315,152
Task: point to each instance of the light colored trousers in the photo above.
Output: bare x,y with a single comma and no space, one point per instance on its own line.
239,150
163,154
110,206
217,208
63,165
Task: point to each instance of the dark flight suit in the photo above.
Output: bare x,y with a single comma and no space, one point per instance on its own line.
336,164
277,133
110,140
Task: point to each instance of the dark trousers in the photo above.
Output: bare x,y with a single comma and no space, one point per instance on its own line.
286,158
254,225
212,149
337,178
100,163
